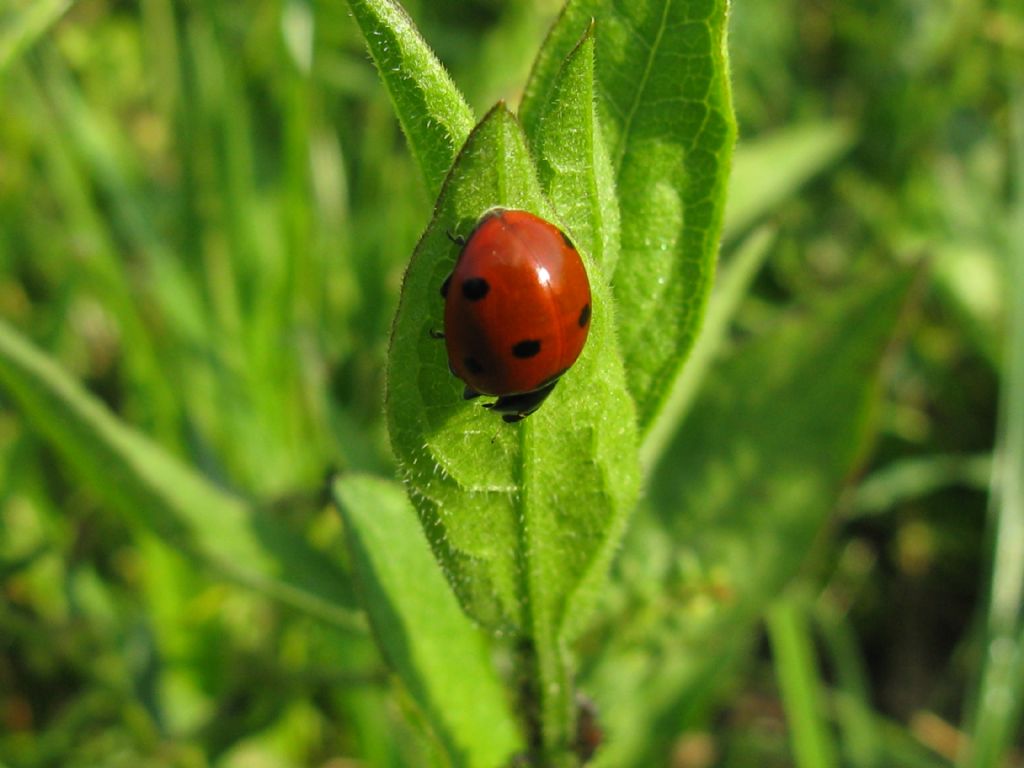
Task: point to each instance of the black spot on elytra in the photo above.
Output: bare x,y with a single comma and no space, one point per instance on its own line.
475,288
473,365
584,316
566,240
526,348
444,286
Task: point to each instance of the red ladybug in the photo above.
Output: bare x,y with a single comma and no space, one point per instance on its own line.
516,312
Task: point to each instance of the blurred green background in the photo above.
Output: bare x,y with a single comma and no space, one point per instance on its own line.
205,211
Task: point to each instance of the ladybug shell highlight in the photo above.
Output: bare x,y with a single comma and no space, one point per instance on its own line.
517,308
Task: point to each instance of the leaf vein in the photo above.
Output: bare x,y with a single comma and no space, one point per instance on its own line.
620,149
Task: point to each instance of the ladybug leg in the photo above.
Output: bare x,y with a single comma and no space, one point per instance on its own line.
468,393
517,407
459,240
434,334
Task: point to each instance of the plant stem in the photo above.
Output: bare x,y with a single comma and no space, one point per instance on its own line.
547,746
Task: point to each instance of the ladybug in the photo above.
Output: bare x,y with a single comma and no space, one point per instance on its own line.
516,311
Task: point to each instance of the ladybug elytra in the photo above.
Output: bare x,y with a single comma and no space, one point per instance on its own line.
517,310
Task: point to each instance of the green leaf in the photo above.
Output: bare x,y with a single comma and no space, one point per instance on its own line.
23,22
437,652
740,495
768,169
789,415
431,110
523,517
572,158
155,490
665,113
730,290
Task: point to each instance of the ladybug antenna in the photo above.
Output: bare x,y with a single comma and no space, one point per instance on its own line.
459,240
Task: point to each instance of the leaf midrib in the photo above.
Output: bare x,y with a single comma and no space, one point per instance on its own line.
620,148
519,500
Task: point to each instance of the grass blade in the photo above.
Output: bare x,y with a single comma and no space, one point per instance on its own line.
800,683
917,477
24,22
769,169
1000,698
154,490
851,697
